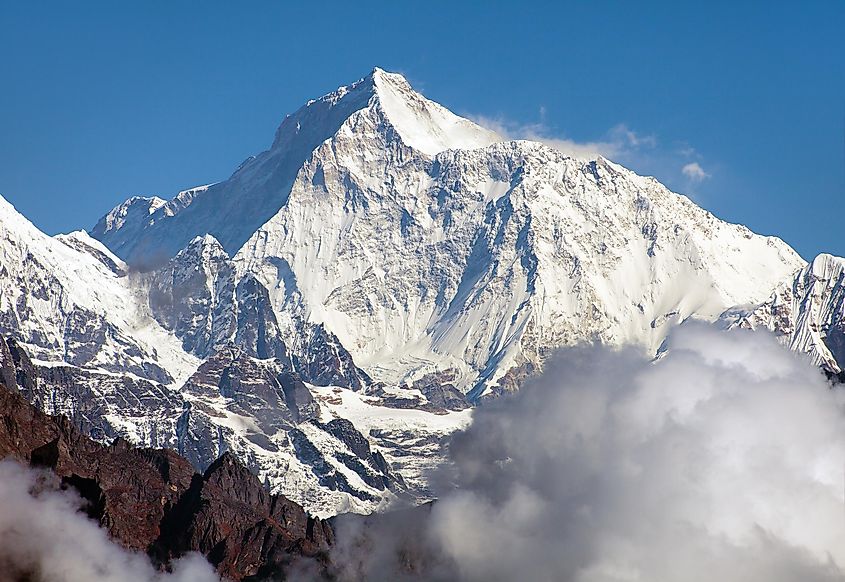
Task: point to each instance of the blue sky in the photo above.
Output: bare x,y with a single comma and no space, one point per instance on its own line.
103,100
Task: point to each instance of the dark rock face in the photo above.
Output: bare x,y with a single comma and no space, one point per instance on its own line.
298,398
253,386
151,500
440,391
836,379
23,428
325,362
834,340
257,328
198,297
243,530
193,296
129,489
8,371
327,474
439,394
25,372
344,431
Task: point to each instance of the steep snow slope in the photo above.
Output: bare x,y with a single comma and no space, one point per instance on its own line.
423,125
426,244
806,311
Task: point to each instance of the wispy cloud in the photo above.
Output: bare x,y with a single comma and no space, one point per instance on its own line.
616,143
694,172
675,163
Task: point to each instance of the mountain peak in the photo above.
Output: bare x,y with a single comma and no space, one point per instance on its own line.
233,210
380,78
423,124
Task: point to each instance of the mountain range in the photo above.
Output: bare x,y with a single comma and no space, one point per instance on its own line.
331,312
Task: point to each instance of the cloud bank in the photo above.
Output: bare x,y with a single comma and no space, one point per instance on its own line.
722,461
44,538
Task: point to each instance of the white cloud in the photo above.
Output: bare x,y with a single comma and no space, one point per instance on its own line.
722,461
694,172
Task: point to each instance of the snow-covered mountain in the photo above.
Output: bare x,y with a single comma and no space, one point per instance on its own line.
426,244
328,312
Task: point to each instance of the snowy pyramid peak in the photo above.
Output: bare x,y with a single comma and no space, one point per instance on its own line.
806,311
144,230
421,123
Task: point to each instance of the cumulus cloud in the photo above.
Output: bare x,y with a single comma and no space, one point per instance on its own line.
722,461
45,538
615,144
694,172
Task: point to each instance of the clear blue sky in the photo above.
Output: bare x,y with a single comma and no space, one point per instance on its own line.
103,100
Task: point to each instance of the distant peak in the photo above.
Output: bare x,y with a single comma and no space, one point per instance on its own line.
205,240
